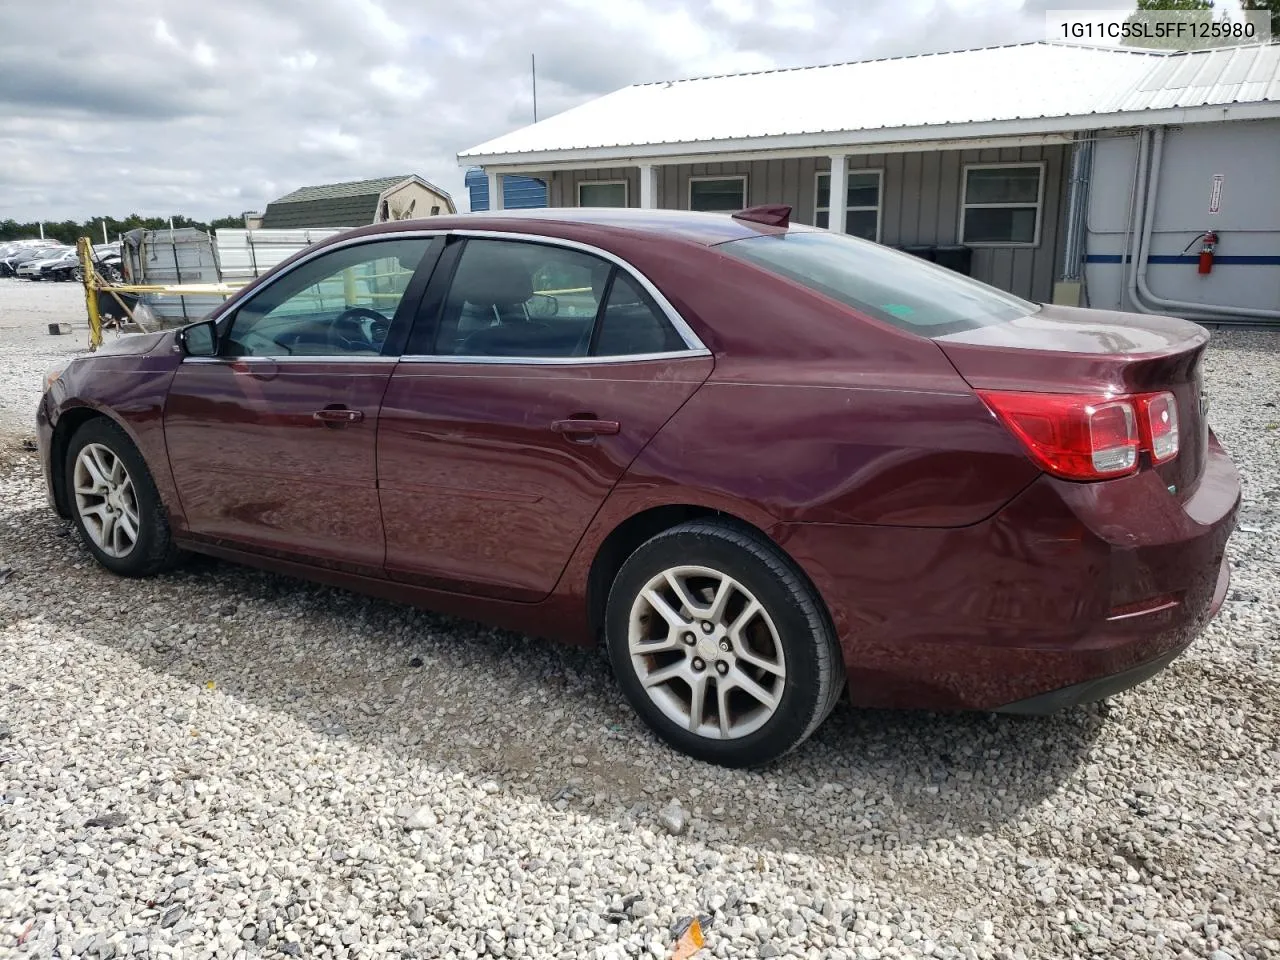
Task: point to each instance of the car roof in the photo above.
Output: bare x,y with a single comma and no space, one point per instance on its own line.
707,229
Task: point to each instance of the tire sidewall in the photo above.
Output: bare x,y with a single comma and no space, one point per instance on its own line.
795,715
108,434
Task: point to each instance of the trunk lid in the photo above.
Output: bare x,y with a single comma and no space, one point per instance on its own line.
1074,350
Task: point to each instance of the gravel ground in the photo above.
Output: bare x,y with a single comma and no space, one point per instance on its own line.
27,348
220,762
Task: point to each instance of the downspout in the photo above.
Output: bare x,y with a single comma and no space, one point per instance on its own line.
1077,206
1134,242
1210,310
1129,220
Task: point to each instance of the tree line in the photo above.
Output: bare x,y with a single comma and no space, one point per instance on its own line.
68,231
1196,10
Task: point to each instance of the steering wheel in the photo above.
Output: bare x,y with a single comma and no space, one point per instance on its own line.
369,326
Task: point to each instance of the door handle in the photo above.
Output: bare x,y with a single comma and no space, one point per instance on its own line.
338,415
585,426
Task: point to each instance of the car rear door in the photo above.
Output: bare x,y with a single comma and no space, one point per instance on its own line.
536,372
273,442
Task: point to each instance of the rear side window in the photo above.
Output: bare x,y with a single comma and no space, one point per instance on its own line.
632,324
511,299
896,288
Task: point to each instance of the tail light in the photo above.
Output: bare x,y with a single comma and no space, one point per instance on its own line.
1160,425
1081,437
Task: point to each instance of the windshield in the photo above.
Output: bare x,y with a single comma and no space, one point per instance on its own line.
896,288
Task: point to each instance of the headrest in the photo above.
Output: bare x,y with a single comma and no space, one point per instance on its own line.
491,276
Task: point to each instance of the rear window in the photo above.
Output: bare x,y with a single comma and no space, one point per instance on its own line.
897,288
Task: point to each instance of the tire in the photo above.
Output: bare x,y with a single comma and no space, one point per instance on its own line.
104,518
788,649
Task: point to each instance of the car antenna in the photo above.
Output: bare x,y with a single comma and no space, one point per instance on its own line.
771,214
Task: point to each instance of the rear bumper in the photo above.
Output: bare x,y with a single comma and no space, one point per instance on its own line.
1090,691
1070,593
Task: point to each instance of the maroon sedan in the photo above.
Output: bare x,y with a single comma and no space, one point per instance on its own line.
765,464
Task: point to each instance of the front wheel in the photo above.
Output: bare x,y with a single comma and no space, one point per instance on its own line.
721,644
115,503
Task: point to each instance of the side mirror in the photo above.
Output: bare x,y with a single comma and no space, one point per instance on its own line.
199,339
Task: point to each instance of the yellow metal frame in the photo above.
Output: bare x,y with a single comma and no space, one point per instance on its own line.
93,283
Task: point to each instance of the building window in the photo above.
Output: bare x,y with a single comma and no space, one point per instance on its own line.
602,193
1002,203
717,194
862,203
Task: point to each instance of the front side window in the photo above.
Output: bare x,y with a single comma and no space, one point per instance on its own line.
1002,204
513,299
339,304
602,194
718,194
862,203
896,288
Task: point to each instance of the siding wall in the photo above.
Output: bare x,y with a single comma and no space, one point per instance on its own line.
518,193
920,201
563,185
422,198
1246,272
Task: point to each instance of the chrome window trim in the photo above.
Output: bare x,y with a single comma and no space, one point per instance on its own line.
694,345
556,361
309,358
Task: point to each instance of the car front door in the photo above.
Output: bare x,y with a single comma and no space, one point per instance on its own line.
272,442
535,374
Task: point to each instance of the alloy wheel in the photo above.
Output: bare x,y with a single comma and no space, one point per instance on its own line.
706,652
106,500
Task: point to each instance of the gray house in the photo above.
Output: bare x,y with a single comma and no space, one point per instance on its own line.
984,159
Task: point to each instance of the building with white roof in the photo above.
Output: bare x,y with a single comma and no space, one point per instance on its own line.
1030,166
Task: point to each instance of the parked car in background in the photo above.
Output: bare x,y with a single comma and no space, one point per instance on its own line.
107,258
33,268
58,262
767,465
64,267
23,251
51,266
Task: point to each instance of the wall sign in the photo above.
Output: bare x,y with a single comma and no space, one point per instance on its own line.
1215,195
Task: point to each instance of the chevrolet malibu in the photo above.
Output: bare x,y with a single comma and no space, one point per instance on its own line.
766,465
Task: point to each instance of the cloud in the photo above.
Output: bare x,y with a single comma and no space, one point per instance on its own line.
209,109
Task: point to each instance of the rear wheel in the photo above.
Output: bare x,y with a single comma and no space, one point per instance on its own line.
115,503
721,645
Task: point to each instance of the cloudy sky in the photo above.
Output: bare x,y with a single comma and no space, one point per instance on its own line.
207,109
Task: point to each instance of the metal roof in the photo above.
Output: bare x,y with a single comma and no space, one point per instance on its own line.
1206,78
929,96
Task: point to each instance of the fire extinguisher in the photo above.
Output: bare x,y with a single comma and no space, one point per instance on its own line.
1208,242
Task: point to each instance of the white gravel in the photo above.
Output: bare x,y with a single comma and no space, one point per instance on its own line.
220,762
27,349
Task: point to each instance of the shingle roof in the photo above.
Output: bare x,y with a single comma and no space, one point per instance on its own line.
333,191
1018,82
352,211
